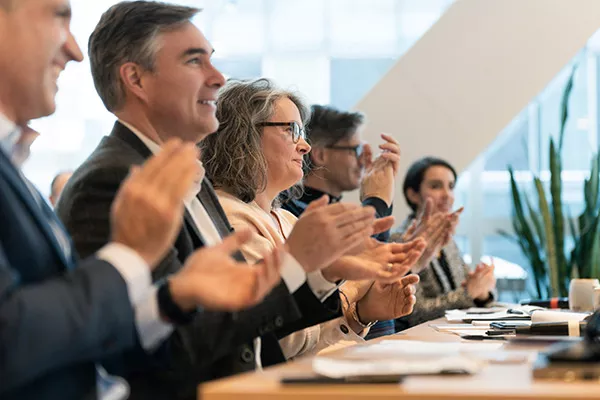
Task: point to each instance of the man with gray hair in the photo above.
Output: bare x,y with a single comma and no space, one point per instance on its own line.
152,69
59,315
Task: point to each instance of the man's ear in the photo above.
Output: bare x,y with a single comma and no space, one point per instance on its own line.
413,197
318,156
131,75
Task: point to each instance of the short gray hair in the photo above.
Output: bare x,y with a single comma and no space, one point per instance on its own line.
128,32
233,156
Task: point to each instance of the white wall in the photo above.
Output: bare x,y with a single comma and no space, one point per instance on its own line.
471,73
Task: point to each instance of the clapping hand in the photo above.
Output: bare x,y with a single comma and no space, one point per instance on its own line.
147,212
437,228
211,278
384,262
480,282
385,301
323,233
378,180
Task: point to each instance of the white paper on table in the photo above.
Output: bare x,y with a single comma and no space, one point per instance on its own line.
338,368
481,309
462,316
454,327
409,349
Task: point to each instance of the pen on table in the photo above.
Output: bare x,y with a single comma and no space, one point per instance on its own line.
324,380
482,337
502,332
554,302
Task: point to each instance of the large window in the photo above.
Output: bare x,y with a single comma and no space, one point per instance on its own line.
524,145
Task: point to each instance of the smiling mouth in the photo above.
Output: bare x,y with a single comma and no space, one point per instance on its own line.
208,102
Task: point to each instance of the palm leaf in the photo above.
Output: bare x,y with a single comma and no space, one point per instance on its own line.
526,238
551,258
558,226
564,107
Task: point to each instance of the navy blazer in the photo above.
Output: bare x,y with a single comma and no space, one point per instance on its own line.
57,316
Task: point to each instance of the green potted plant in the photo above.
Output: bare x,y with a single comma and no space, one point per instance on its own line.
539,223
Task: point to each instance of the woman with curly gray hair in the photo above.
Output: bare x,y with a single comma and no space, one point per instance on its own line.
255,155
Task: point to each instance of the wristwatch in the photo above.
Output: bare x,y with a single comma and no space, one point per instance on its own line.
170,309
353,310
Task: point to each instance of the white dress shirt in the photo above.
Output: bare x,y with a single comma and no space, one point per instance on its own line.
292,273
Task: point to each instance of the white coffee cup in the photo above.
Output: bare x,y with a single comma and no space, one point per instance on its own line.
581,294
597,298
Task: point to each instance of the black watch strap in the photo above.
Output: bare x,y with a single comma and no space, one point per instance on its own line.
169,309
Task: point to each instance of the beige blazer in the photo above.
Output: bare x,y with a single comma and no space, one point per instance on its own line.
271,229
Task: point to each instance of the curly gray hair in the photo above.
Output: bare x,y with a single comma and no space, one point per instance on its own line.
233,156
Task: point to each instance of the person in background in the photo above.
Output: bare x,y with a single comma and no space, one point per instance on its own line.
340,162
256,154
61,315
57,185
447,282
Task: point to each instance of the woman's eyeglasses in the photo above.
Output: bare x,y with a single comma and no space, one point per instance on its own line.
294,127
358,149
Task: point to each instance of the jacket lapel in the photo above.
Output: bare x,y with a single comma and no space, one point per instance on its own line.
441,275
123,133
210,201
15,180
456,262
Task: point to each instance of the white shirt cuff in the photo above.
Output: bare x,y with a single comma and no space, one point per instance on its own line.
152,330
292,273
320,286
132,268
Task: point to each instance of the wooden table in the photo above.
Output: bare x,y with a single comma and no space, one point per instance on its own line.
495,381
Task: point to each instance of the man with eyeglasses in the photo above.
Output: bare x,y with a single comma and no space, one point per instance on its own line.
340,162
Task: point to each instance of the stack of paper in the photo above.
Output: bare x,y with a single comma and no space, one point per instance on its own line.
502,315
404,357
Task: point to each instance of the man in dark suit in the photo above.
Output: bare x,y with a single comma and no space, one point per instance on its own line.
170,91
59,316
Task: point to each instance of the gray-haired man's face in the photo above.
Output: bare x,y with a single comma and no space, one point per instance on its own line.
182,90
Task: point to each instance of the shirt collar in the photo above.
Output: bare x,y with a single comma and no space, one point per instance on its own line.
155,148
149,143
9,134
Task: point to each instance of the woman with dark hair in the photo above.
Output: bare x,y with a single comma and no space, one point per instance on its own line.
258,153
447,282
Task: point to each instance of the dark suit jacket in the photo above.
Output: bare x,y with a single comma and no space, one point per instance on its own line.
57,316
215,344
